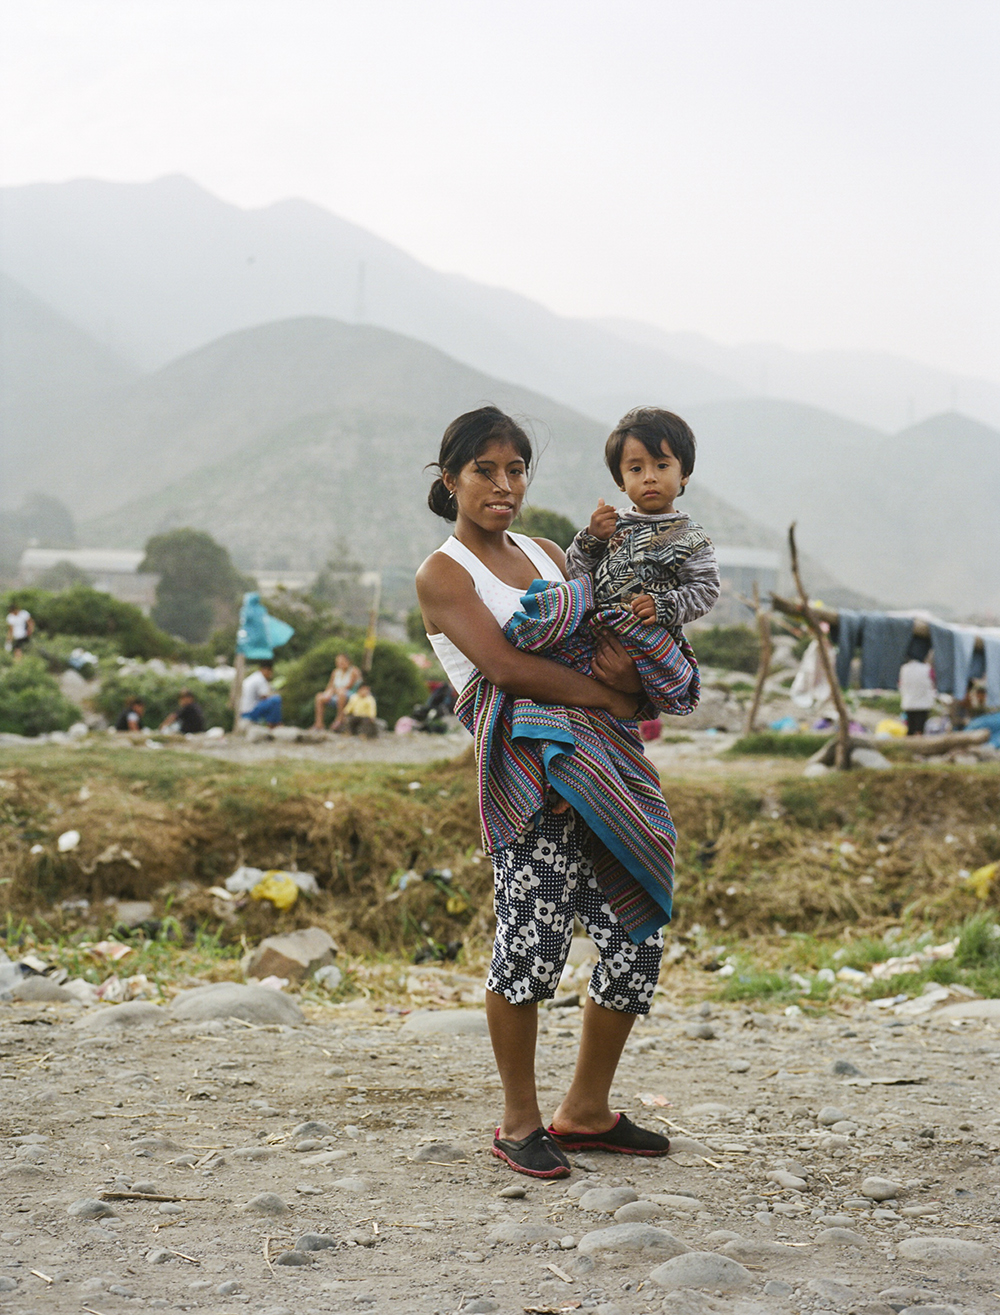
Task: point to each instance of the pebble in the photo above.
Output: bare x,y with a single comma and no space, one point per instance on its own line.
268,1203
253,1004
943,1250
751,1251
781,1178
776,1287
480,1306
316,1242
700,1032
88,1208
701,1269
170,1208
312,1128
638,1212
251,1153
840,1237
353,1186
160,1257
881,1189
513,1193
443,1152
831,1290
149,1188
606,1200
738,1065
308,1144
132,1014
843,1068
228,1288
631,1237
294,1258
675,1201
445,1022
829,1115
7,1284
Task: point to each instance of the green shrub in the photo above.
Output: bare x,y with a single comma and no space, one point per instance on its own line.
87,612
159,690
395,681
540,523
779,744
734,648
31,702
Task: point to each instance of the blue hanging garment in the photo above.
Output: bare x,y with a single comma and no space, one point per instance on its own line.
259,633
943,643
965,643
991,646
849,628
884,643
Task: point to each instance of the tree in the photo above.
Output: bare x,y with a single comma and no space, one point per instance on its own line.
63,575
199,588
540,523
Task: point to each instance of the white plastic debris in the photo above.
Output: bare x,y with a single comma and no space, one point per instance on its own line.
330,976
244,879
67,841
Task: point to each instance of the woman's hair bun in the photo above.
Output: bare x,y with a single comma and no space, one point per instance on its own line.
441,502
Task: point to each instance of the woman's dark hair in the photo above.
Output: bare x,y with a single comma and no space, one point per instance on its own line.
651,427
464,440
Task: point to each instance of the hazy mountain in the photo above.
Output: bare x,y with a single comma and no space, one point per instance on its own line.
49,367
284,439
158,269
909,517
873,388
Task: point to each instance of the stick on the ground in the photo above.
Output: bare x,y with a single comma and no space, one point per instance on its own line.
842,752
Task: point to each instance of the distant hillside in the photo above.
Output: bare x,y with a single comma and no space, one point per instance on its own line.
49,367
284,439
164,268
873,388
910,517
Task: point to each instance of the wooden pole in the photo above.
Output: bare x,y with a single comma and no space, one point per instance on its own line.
237,690
842,751
372,635
831,617
764,660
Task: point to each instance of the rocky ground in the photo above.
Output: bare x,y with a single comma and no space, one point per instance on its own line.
171,1159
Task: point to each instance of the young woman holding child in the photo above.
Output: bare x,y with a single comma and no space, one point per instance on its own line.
469,590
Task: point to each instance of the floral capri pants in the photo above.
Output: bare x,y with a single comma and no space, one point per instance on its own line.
540,882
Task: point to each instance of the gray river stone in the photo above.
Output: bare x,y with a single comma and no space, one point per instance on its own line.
252,1004
701,1269
632,1237
445,1022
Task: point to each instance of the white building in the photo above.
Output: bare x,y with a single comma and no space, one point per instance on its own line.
113,571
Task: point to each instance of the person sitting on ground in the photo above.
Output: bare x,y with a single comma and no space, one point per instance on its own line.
20,628
258,701
344,680
187,716
131,715
359,714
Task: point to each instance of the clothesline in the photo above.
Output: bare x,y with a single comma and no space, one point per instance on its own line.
832,618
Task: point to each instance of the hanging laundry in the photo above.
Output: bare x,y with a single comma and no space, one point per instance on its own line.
884,644
965,643
943,644
991,647
848,634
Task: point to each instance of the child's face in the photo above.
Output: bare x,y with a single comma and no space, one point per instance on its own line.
652,482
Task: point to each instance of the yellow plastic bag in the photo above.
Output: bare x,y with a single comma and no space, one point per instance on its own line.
981,881
891,726
278,887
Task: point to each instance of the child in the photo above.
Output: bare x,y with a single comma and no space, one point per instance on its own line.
359,714
652,560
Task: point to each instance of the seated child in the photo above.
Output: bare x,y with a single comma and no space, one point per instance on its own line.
652,560
359,713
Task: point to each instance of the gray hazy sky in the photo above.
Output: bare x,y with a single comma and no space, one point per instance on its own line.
815,174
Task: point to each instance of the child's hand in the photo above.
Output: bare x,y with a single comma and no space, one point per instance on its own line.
603,522
644,608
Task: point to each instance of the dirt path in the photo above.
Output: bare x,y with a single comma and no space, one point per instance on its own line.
211,1113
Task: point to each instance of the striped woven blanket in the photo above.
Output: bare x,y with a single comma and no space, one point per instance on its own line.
589,757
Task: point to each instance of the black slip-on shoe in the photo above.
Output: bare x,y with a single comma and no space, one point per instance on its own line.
537,1155
622,1138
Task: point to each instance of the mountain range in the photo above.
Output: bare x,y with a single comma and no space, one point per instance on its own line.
173,360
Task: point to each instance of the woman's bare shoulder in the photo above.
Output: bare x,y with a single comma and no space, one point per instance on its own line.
441,573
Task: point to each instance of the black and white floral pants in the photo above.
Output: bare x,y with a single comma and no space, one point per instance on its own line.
540,882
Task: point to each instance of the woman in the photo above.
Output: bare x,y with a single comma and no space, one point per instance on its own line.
468,590
345,678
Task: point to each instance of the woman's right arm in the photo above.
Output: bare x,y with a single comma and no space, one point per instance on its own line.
451,606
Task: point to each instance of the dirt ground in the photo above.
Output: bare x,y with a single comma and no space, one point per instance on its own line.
210,1114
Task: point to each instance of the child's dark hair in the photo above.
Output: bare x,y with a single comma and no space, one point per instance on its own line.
464,440
651,427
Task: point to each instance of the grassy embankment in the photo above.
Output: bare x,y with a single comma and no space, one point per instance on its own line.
783,875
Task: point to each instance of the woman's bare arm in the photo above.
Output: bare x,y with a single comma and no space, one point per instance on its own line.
451,606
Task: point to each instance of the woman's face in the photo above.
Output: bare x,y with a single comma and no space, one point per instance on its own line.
489,491
342,662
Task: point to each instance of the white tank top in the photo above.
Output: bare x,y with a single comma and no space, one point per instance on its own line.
503,600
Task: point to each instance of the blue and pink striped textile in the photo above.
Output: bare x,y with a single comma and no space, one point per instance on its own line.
590,758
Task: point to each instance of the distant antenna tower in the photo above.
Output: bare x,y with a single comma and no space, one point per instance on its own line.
359,303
